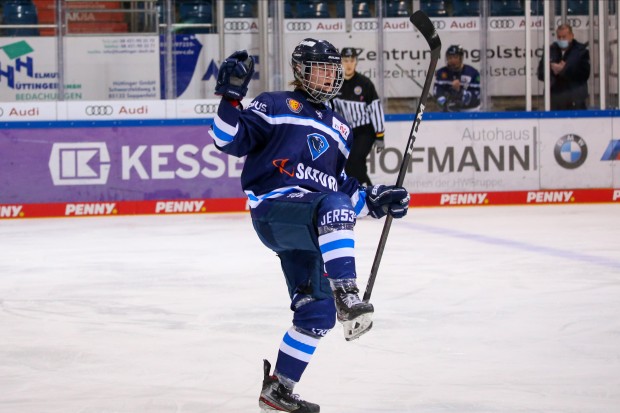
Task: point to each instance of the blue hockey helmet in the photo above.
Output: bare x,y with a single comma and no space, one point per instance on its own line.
318,69
455,50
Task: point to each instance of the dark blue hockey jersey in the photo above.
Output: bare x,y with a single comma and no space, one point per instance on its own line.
470,85
290,144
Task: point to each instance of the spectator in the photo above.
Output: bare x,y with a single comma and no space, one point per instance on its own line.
570,70
457,85
360,105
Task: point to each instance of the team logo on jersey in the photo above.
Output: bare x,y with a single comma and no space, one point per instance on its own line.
340,127
444,75
281,165
294,105
357,90
318,145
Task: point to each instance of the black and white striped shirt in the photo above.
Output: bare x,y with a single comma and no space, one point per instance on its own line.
359,103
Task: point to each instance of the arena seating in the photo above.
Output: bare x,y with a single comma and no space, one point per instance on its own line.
397,8
19,12
313,9
196,12
238,8
434,8
507,8
361,9
464,8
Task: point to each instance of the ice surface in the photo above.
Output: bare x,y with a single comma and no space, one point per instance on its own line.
478,309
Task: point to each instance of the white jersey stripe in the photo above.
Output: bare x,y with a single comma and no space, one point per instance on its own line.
298,120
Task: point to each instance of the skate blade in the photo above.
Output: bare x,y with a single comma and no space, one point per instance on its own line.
357,327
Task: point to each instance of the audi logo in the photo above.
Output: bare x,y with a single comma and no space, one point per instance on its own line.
574,23
298,26
365,25
104,110
236,25
205,108
439,24
501,24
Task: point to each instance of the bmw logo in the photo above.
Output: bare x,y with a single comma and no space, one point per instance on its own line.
570,151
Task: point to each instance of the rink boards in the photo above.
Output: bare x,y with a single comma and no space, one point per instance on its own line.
159,159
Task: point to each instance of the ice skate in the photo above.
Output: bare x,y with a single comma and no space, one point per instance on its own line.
275,397
354,314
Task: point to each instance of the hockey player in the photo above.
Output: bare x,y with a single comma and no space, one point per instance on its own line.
360,105
457,85
302,204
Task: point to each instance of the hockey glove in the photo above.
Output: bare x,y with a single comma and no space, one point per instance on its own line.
234,75
387,199
379,142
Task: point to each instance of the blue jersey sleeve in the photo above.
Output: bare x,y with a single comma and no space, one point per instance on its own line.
231,127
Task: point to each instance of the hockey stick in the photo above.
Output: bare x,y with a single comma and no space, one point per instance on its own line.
424,25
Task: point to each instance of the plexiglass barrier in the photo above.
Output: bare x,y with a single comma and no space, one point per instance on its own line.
67,50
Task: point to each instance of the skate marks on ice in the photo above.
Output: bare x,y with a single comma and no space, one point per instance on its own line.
502,309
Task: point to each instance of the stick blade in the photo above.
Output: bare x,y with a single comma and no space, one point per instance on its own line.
425,26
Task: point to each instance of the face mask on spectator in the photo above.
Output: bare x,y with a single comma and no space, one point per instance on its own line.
562,43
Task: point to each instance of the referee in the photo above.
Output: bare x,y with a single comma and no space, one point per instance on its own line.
359,103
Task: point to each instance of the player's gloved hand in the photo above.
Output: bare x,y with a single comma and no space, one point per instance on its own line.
387,199
466,99
379,142
234,75
441,100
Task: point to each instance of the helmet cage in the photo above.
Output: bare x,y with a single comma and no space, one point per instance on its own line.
317,69
321,80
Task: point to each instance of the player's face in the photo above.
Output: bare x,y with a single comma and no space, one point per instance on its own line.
322,76
348,65
454,61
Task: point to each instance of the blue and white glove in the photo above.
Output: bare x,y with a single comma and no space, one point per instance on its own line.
441,100
234,75
387,199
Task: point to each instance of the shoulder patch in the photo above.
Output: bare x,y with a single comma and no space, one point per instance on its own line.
340,127
294,105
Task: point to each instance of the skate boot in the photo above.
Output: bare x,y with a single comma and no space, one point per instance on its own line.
354,314
275,397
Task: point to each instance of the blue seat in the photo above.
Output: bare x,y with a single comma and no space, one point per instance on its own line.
434,8
361,9
288,10
578,7
537,7
507,8
20,12
396,8
314,9
464,8
196,12
238,8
